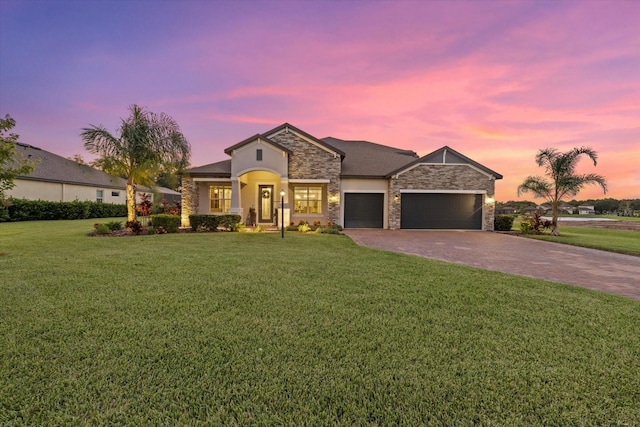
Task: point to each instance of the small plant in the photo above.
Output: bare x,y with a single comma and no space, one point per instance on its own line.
525,225
114,225
101,228
258,229
160,230
134,226
303,228
302,222
317,223
202,229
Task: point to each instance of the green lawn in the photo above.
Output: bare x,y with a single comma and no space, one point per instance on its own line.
252,329
621,241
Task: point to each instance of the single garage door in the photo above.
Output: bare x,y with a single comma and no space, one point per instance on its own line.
363,210
441,211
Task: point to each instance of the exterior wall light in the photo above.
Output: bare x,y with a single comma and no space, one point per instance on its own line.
489,199
396,198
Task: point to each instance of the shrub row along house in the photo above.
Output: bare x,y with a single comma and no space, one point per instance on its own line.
356,184
58,179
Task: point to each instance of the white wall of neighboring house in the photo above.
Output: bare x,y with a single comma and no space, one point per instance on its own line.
62,192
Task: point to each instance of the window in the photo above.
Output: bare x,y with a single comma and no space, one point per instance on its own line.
259,154
115,194
220,198
99,196
308,200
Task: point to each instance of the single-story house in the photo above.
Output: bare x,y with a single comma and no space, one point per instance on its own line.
58,179
586,210
287,175
506,210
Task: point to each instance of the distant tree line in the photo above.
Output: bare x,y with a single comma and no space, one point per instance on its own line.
601,206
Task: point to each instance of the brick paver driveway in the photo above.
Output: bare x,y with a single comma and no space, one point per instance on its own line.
603,271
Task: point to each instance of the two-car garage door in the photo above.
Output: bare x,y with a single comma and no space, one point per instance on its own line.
418,210
441,211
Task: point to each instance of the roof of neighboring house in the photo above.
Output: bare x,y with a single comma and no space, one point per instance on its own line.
53,168
368,160
446,155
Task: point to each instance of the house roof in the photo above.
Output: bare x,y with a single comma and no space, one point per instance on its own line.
53,168
446,155
219,169
306,135
369,160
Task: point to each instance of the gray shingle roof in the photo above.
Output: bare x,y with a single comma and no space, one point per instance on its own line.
370,160
219,169
52,167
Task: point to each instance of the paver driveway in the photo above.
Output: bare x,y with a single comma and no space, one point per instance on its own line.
603,271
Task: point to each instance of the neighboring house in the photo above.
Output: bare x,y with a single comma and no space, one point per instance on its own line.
62,180
505,210
356,184
566,209
586,210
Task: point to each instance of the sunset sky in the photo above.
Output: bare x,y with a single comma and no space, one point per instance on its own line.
494,80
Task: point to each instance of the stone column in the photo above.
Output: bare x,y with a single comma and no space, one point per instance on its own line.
187,201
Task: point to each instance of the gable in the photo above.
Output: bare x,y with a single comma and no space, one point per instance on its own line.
446,156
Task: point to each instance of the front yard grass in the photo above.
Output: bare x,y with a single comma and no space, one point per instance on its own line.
252,329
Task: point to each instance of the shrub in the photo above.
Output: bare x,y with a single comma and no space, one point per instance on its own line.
203,222
503,222
525,225
229,222
303,228
134,226
169,223
114,225
102,228
37,210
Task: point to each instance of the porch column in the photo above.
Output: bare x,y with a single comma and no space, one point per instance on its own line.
235,197
284,185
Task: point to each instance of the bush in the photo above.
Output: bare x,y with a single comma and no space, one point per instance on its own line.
134,226
37,210
114,225
212,222
229,222
303,228
169,223
204,222
503,222
102,228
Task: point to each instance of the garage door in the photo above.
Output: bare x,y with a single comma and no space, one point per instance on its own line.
363,210
441,211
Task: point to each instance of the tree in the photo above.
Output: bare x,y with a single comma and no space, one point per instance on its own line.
11,163
561,169
147,145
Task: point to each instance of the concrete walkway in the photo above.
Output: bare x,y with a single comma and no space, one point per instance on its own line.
599,270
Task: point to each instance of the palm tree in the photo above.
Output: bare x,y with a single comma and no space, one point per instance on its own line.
148,144
561,168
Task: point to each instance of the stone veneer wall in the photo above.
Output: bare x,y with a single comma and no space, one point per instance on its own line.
189,200
309,161
441,177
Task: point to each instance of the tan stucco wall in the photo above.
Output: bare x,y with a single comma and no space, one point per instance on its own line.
273,159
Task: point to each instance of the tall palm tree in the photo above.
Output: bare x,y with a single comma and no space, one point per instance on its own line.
561,169
148,143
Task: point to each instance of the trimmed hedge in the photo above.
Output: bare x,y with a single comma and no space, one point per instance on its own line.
170,223
212,222
37,210
503,222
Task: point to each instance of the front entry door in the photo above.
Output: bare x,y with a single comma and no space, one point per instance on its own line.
265,206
